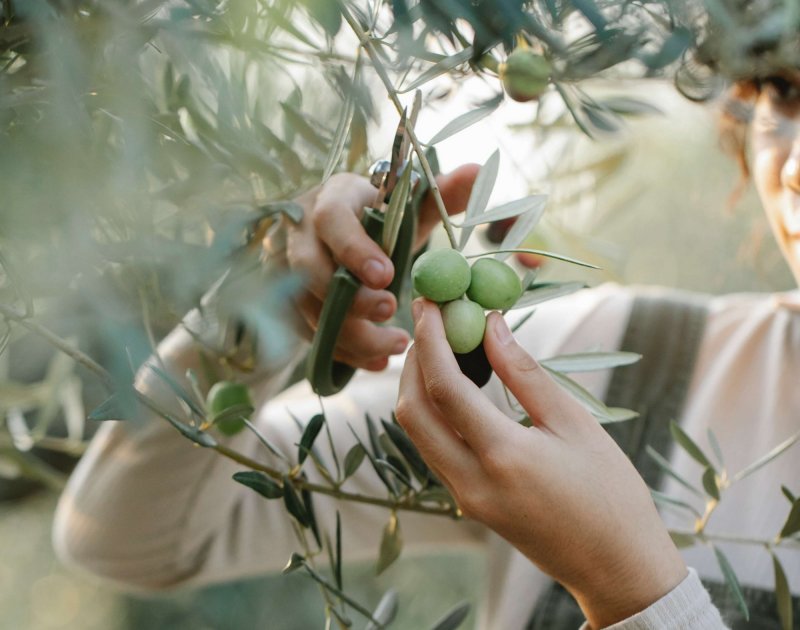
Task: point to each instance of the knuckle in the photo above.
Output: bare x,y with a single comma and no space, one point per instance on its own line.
440,390
322,214
497,463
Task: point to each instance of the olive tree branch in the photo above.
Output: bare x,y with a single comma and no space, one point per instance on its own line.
367,44
64,346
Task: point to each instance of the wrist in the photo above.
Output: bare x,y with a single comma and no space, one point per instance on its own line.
612,596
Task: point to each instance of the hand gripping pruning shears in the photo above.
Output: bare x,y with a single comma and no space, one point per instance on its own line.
391,222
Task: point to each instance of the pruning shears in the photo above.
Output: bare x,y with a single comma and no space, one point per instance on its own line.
391,222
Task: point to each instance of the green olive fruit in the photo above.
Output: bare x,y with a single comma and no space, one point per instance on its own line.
441,275
464,325
525,74
227,395
494,284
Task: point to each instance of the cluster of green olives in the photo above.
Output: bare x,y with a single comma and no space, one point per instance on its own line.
464,292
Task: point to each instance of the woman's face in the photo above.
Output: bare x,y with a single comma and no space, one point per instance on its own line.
775,142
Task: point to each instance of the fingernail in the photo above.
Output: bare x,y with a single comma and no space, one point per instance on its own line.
502,332
400,346
416,310
374,271
382,311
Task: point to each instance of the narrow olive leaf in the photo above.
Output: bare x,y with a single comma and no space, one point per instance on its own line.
353,460
374,437
617,414
683,540
481,192
265,441
385,611
407,449
340,135
540,252
522,228
590,361
178,390
402,477
293,504
547,291
259,482
310,434
688,445
664,465
732,581
391,545
391,486
712,439
308,504
195,435
345,621
788,494
396,210
532,203
109,409
521,322
580,393
666,500
463,122
295,562
627,106
438,69
453,618
436,494
602,119
300,124
236,412
337,568
710,483
762,461
792,524
783,596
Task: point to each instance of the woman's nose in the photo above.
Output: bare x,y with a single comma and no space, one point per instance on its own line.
790,173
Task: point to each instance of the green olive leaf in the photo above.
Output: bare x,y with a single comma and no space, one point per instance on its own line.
308,504
310,434
762,461
481,192
532,203
109,409
296,561
438,69
398,205
353,459
391,545
710,483
683,540
385,611
783,596
259,482
788,494
580,393
666,500
391,466
453,618
732,581
712,439
688,445
792,524
590,361
407,449
665,466
293,503
465,121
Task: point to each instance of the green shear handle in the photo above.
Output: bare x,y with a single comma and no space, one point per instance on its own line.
326,375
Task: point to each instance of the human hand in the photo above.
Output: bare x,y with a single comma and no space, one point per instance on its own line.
331,234
561,491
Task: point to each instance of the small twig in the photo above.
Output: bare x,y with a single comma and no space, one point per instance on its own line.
366,42
62,345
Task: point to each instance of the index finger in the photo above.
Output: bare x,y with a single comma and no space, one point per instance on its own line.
456,397
335,218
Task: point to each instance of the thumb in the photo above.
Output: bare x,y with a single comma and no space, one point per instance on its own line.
546,403
455,188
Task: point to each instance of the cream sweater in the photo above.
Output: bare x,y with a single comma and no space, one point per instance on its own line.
147,510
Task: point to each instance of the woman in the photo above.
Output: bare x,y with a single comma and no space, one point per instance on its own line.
147,511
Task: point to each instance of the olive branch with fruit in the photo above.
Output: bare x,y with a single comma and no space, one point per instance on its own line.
209,158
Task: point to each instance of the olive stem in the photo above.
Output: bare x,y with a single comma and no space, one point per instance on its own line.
540,252
366,42
62,345
738,540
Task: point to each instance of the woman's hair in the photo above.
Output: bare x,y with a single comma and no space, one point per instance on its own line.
735,114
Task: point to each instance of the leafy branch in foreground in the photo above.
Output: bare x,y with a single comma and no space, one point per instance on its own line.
715,481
